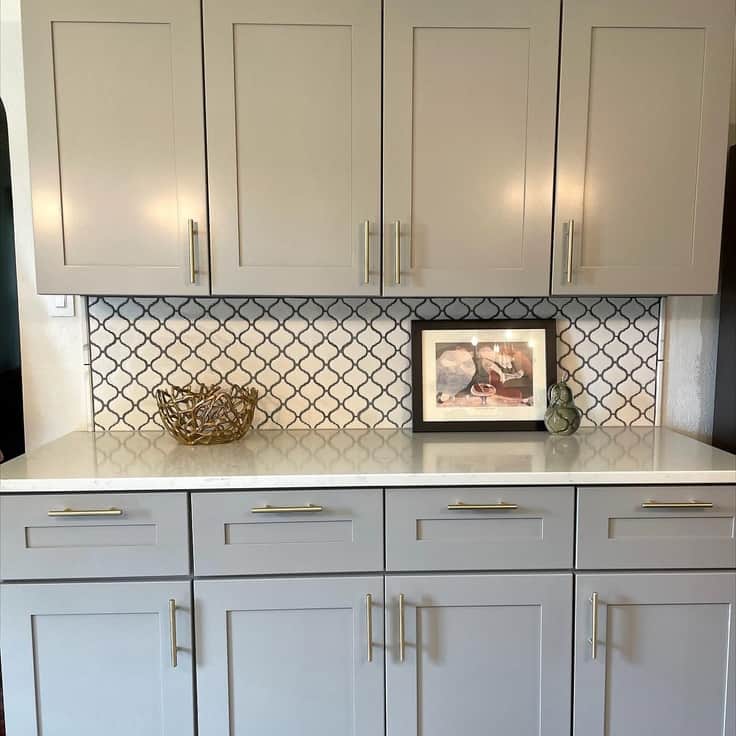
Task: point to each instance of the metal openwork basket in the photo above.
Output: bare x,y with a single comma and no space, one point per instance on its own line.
207,415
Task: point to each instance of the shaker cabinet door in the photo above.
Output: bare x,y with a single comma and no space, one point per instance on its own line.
654,654
116,140
96,658
293,95
479,655
290,656
641,157
470,94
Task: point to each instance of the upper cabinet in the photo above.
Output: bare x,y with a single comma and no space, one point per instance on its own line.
470,93
293,94
342,163
643,133
116,138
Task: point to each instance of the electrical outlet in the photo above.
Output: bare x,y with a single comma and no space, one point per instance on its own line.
60,305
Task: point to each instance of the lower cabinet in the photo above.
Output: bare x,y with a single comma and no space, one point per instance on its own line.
97,658
290,656
479,654
654,654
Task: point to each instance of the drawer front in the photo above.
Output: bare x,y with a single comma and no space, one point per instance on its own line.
438,528
261,532
656,527
93,535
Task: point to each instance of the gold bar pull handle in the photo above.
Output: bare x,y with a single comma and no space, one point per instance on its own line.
593,641
570,246
677,505
366,252
397,253
85,512
309,508
172,631
500,506
369,624
402,632
192,228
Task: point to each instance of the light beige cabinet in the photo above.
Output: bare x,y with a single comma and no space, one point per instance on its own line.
294,145
469,123
643,130
296,162
116,138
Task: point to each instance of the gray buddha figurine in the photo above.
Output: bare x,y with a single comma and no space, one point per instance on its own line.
562,416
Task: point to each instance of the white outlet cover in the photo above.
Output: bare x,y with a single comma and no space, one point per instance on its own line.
61,305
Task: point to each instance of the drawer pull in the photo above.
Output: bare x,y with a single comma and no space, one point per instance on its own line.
397,253
172,631
286,509
677,505
366,252
369,624
570,245
593,641
192,228
402,632
500,506
86,512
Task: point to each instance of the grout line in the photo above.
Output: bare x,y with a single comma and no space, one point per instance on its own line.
89,395
659,382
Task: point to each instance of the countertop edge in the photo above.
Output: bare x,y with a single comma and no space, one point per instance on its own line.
387,480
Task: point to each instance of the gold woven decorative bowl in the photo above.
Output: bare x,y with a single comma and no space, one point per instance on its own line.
207,415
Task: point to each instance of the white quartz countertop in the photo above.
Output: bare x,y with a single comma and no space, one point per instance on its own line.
125,461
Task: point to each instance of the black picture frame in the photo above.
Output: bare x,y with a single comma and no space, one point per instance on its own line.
419,424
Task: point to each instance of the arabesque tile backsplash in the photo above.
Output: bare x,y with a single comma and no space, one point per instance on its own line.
344,362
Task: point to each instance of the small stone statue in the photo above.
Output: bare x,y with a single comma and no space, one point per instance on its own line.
562,416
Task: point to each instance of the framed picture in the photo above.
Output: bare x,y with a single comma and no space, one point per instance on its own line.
481,374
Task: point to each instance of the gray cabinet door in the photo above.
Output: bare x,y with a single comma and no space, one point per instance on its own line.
290,656
664,663
294,145
470,94
641,156
483,654
96,658
116,139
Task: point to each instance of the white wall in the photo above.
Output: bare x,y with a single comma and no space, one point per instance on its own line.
55,386
689,375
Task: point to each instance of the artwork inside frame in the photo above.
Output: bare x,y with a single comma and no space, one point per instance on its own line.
481,375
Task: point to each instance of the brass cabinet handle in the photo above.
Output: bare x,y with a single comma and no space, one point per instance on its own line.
397,253
366,252
402,632
285,509
85,512
369,624
570,245
677,505
500,506
172,631
593,641
192,227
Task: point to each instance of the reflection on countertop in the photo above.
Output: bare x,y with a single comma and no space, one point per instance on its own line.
366,458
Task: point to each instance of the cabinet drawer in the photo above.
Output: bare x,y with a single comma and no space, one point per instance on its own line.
479,528
93,535
656,527
261,532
